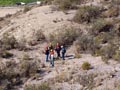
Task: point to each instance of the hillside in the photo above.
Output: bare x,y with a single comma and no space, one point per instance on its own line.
90,31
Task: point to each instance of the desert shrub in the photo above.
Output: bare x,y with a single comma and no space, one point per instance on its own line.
116,56
86,66
47,1
9,75
67,36
64,76
87,80
40,35
87,43
28,67
108,51
101,26
77,55
67,4
27,8
8,15
22,44
118,87
87,14
1,18
5,54
8,42
26,57
42,86
115,2
103,38
113,11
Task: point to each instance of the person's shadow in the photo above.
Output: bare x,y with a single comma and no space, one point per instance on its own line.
69,56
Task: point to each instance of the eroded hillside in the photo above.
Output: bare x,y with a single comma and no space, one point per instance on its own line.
90,31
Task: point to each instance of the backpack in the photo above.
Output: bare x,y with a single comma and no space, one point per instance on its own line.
63,50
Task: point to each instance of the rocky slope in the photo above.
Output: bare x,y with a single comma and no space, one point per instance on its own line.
66,75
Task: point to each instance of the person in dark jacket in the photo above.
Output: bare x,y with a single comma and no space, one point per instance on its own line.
47,53
63,49
58,49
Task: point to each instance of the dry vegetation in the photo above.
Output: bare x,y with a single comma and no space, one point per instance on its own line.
101,39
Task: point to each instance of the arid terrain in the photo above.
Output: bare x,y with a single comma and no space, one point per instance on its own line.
90,31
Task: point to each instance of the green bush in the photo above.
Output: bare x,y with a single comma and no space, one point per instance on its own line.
87,14
86,66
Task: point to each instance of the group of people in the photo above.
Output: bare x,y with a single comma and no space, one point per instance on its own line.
49,52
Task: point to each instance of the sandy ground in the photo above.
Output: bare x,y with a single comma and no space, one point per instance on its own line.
8,10
41,18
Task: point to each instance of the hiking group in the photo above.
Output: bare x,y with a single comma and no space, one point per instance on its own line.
49,52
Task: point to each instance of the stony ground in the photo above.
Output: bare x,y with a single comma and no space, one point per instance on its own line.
47,19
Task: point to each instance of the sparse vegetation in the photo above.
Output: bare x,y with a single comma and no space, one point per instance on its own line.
87,14
26,9
118,87
101,26
99,35
113,11
5,54
68,4
28,67
86,66
8,42
9,76
69,35
42,86
87,81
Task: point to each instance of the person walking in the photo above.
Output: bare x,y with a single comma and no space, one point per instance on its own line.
63,51
52,57
50,48
58,49
47,53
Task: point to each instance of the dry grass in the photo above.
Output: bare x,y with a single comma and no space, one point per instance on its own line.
42,86
67,35
87,14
